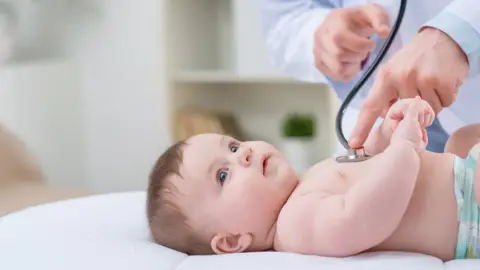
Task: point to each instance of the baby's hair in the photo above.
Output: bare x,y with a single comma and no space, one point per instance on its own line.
168,225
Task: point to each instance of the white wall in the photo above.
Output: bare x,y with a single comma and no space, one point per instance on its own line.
42,104
97,117
122,69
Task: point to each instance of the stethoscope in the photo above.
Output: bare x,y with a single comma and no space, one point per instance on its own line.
357,155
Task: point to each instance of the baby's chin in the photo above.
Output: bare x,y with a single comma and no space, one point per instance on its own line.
286,173
288,180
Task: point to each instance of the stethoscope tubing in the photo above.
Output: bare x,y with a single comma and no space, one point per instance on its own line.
357,87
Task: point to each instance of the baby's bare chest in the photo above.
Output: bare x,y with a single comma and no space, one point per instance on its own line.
329,177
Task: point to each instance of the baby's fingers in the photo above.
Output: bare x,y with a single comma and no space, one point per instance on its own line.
427,118
424,136
428,113
413,113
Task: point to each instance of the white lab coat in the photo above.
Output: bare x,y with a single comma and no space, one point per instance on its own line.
289,26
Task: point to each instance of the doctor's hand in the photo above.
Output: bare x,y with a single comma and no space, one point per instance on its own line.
431,66
341,40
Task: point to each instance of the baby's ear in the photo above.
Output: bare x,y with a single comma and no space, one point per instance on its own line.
231,243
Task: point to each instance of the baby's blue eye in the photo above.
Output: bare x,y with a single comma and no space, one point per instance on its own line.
222,176
233,148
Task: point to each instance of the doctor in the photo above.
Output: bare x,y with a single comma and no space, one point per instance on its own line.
436,55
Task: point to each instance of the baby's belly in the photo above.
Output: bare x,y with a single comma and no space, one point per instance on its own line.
430,224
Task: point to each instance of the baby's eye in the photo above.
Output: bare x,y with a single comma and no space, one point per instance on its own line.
222,176
234,148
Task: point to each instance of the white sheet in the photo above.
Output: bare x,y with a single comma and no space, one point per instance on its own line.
110,232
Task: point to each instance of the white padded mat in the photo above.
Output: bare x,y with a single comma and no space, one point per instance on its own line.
109,232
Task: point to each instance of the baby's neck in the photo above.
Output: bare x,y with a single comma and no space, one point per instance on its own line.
275,242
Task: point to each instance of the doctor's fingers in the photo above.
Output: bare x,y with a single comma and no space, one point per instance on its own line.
438,91
380,97
344,54
348,40
336,70
432,97
339,28
437,96
446,88
343,62
374,17
341,70
405,83
327,64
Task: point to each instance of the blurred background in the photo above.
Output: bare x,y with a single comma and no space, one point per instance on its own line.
97,89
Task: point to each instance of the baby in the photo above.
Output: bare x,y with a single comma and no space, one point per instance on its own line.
213,194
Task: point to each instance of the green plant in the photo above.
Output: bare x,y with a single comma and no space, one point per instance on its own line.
298,125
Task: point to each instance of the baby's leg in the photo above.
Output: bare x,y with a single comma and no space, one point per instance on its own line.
461,143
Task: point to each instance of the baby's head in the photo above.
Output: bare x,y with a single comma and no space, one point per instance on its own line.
214,194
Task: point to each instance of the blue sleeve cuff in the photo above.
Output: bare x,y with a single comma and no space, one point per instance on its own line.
464,35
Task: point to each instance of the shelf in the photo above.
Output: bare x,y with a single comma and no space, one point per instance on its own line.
231,77
217,61
222,35
200,36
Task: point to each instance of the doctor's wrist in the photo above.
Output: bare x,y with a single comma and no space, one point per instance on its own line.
444,38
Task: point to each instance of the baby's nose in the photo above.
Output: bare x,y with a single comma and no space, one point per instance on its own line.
246,156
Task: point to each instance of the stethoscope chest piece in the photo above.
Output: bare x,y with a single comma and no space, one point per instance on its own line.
353,155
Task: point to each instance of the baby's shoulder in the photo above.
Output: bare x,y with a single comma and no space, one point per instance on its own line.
315,186
295,224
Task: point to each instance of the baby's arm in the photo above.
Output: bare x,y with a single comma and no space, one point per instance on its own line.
368,213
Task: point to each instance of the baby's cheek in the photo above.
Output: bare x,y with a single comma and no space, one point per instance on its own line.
237,213
248,191
247,194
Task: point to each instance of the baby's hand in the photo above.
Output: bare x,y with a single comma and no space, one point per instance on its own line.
397,112
408,119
